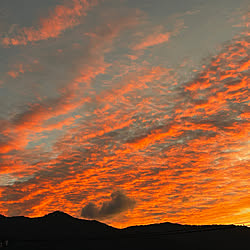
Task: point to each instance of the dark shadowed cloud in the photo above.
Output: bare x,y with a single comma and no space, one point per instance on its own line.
119,203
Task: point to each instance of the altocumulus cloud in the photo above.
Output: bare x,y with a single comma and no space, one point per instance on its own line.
119,203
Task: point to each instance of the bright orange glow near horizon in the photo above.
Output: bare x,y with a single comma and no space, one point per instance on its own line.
122,112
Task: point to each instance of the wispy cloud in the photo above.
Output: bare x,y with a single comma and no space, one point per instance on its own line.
63,17
158,36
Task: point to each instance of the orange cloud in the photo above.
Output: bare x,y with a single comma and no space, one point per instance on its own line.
20,69
60,19
178,148
157,37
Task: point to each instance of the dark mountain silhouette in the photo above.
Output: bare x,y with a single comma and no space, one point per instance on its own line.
59,230
56,225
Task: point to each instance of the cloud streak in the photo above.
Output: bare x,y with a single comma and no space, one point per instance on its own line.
63,17
159,37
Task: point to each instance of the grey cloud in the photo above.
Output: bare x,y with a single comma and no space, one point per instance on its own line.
119,203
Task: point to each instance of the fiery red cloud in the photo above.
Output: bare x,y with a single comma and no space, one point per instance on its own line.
166,148
60,19
159,37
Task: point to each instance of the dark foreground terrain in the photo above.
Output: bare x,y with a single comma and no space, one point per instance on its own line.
61,231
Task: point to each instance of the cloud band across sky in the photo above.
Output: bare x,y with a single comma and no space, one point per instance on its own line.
60,19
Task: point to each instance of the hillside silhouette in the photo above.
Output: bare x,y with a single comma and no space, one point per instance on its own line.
59,230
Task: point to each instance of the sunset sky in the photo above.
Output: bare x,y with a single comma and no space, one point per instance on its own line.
125,111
